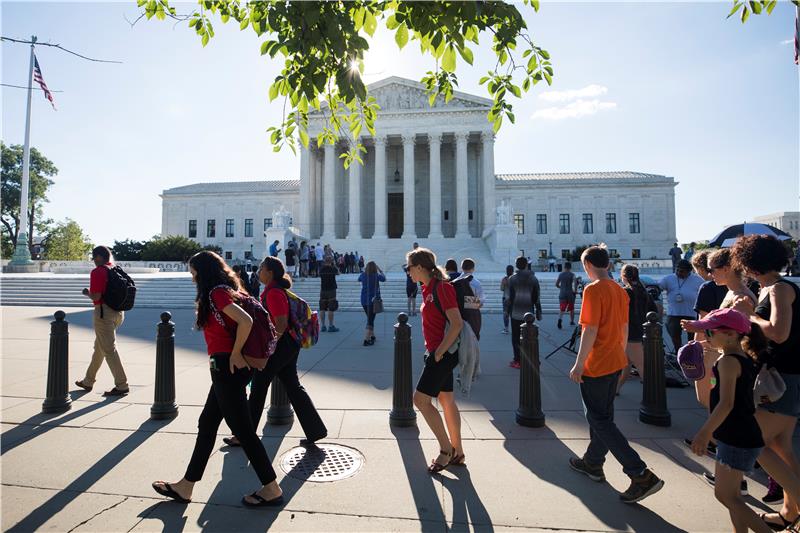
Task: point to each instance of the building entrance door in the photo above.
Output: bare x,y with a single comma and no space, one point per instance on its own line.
395,215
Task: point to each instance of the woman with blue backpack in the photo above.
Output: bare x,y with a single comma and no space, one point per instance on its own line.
371,300
226,327
283,363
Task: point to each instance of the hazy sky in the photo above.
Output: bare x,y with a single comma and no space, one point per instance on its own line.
664,88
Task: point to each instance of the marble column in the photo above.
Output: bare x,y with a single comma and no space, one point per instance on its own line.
303,217
489,203
354,199
409,224
435,145
329,191
462,185
381,199
317,195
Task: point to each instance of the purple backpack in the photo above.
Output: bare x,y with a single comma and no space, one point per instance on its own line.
690,357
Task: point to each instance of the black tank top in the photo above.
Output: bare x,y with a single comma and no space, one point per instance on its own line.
740,428
785,357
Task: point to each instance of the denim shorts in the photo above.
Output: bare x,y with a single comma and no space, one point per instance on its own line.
742,459
789,403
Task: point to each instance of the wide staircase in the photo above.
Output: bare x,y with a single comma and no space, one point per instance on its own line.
178,291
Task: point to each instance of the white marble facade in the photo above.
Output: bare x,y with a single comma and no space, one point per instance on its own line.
428,176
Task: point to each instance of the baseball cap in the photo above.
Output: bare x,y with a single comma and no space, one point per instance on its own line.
724,319
690,358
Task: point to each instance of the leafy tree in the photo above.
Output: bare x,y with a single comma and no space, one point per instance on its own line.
213,248
41,170
128,250
170,248
756,7
67,242
323,44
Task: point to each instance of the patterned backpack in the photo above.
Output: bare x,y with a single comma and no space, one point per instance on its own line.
303,322
263,338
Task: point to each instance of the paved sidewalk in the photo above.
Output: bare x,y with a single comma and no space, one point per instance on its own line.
90,469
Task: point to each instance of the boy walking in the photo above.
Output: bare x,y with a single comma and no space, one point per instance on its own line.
566,294
106,321
327,294
601,358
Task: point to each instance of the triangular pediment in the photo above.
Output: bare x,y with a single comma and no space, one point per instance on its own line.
401,94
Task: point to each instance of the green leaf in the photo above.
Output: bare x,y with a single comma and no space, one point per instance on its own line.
401,36
370,24
242,25
483,80
535,4
497,123
745,14
265,47
770,6
273,91
466,54
515,90
449,59
204,40
736,5
391,22
755,6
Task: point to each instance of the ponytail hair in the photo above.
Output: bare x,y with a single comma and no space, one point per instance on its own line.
426,259
755,343
279,275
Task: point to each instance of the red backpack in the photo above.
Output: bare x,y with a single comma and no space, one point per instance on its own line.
263,338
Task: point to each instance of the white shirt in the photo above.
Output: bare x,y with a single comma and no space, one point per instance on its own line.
319,252
477,289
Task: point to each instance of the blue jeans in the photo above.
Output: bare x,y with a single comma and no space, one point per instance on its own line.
598,404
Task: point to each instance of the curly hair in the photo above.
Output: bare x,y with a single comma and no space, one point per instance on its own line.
759,254
211,270
700,260
755,343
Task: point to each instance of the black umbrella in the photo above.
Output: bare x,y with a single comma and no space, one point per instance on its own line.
728,236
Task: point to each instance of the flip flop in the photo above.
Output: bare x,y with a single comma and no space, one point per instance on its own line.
458,460
232,443
274,502
435,467
169,492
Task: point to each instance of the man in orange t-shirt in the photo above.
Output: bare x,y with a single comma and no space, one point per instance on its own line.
601,358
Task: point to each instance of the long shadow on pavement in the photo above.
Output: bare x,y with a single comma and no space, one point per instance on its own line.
468,509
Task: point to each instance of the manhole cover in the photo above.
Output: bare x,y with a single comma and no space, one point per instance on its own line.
323,463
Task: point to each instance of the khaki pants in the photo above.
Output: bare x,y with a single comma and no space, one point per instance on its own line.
105,347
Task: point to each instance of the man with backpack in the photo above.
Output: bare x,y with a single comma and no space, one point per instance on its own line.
524,297
108,286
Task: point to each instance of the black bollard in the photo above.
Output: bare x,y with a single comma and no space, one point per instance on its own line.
280,411
58,399
402,414
530,412
164,405
654,390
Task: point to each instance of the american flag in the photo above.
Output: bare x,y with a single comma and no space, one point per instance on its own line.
38,78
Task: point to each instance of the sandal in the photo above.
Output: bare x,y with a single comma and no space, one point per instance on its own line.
773,525
435,467
169,492
261,502
458,460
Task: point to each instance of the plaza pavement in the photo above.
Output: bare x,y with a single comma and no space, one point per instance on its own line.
90,468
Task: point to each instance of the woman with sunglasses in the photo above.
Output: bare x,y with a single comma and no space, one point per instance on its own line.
225,327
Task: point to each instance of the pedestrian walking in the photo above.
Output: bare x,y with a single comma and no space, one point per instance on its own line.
106,322
283,362
676,253
441,326
411,293
682,288
689,253
370,280
327,294
506,297
601,358
304,259
639,304
524,297
225,333
566,294
291,258
551,263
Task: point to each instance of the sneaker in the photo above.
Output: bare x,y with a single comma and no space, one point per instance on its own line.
595,473
559,323
504,331
774,493
332,329
711,450
709,478
82,385
115,392
514,364
323,328
641,487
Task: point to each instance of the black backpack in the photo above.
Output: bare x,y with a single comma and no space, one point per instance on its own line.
468,303
120,290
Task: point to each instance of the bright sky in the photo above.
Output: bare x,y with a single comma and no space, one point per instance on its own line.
664,88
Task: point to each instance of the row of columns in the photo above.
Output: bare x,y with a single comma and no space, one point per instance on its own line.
307,203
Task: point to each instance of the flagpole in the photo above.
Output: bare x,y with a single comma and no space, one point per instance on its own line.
22,253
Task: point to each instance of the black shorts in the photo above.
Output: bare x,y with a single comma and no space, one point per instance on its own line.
411,292
437,377
327,301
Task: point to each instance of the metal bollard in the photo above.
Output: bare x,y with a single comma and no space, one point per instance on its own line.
164,405
402,414
530,387
654,391
58,399
280,412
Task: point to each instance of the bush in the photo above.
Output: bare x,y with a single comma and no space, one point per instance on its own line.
170,248
128,250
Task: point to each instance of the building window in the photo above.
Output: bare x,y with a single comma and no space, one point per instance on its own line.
211,228
267,223
446,214
248,255
636,253
519,221
470,214
248,227
228,256
566,253
229,227
612,253
563,223
633,219
542,254
541,224
291,221
193,229
588,223
611,222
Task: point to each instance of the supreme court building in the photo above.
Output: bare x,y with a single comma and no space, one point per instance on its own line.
428,176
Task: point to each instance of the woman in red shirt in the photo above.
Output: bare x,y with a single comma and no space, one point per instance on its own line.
225,327
441,326
282,363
